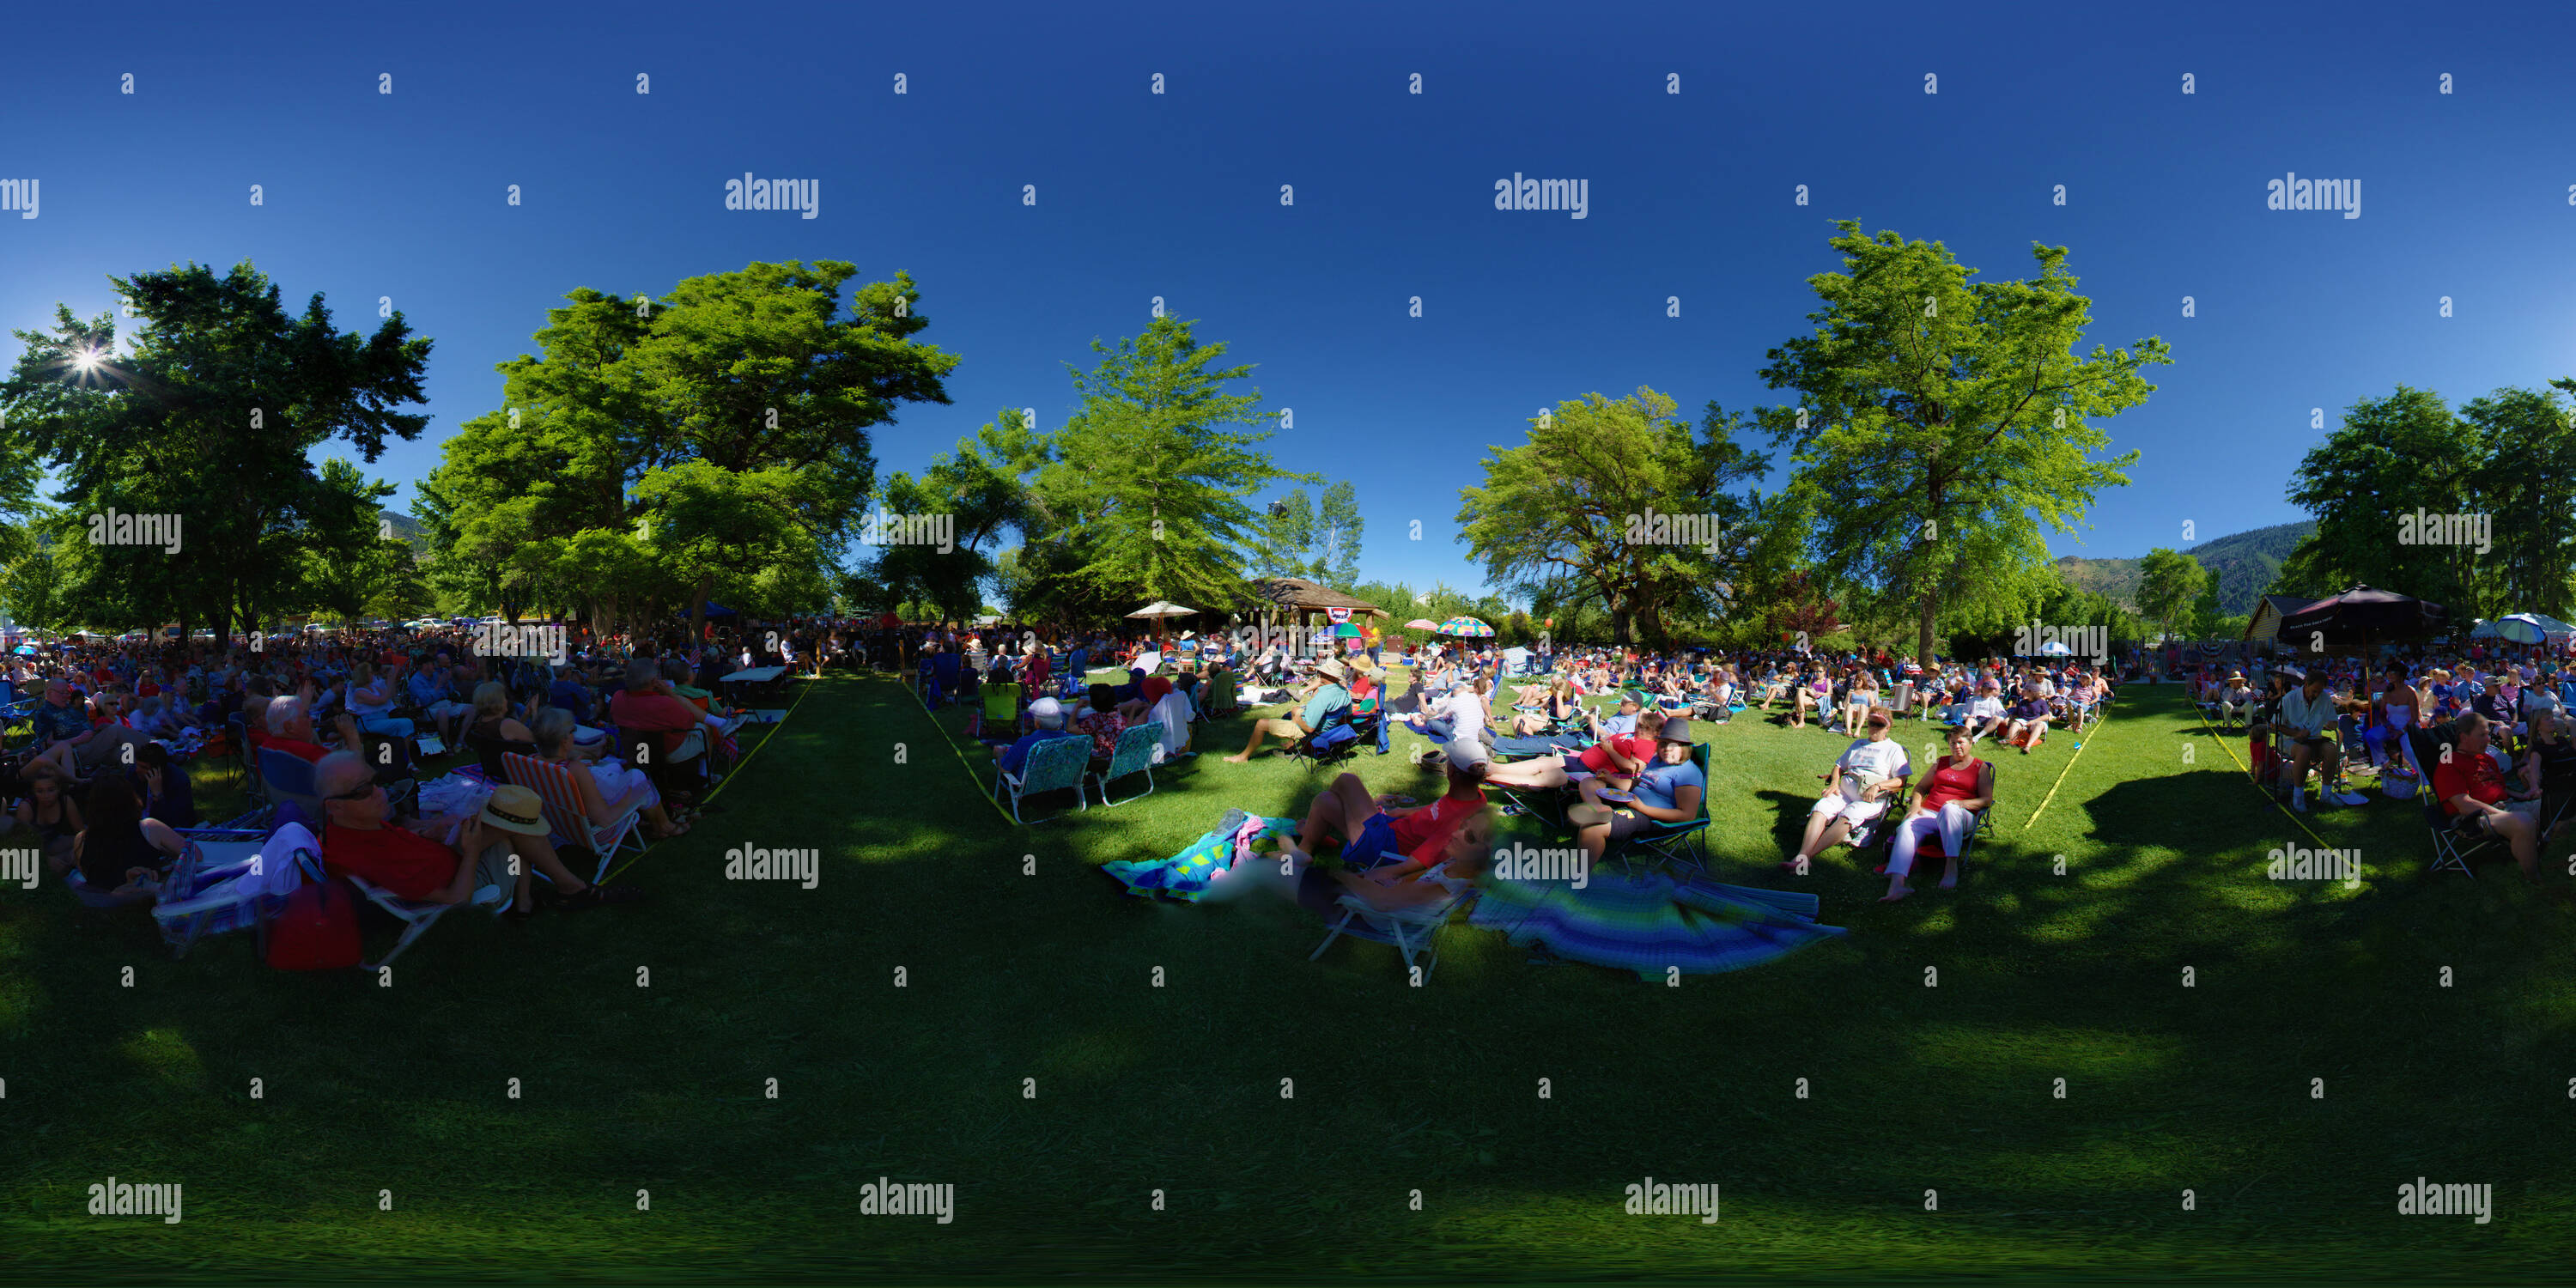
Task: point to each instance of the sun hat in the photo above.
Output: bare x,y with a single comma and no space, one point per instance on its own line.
1333,668
516,809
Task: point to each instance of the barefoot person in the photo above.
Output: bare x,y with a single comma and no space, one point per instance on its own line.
1330,704
1869,773
1961,786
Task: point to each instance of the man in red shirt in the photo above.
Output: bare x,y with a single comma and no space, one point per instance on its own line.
411,865
1372,827
290,730
2472,792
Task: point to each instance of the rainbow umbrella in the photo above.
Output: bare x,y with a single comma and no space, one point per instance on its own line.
1465,628
1346,630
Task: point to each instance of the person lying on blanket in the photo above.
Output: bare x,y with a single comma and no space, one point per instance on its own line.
1618,754
1668,789
1418,880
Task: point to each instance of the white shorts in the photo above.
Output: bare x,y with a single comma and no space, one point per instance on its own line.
1850,811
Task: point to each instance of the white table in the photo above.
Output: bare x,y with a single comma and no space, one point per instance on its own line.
755,675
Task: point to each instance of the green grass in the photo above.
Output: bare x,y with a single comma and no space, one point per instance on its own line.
1397,1089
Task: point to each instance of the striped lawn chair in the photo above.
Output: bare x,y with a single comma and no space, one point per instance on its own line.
552,781
1139,746
1052,765
215,888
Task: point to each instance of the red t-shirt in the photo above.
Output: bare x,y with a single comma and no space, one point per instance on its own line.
301,750
1634,746
1422,833
2476,776
410,865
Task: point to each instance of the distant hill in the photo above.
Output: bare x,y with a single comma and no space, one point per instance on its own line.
2243,562
407,528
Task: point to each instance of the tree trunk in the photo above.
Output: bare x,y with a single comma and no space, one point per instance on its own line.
698,607
1923,630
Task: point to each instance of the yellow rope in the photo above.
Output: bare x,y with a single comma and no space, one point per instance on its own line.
728,778
2257,786
2070,768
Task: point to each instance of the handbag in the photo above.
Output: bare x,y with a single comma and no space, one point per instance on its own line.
317,929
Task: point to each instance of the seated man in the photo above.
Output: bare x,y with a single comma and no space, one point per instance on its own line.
442,860
1871,772
1986,716
2473,795
1047,716
2305,715
2234,698
1331,704
1374,830
1670,789
71,743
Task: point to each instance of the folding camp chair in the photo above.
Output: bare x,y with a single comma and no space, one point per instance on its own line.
1334,742
2455,840
552,781
1000,721
1414,933
1680,844
288,780
1139,746
1221,703
215,889
1052,765
419,917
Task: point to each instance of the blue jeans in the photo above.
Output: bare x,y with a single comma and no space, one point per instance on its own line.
395,726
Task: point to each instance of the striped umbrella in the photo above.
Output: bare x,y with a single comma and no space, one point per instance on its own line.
1465,628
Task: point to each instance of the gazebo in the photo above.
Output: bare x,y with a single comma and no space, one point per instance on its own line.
1298,595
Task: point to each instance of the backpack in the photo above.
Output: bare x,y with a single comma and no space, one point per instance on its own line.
317,929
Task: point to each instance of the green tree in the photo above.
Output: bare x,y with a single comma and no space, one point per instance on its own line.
211,417
1569,516
1337,535
2526,482
1288,536
2390,458
2168,582
1150,479
1946,425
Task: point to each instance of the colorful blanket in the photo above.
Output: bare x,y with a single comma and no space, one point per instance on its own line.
1191,873
1699,927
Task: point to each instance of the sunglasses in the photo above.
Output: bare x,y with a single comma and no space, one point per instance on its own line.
356,794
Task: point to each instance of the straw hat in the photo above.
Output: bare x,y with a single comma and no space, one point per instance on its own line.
516,809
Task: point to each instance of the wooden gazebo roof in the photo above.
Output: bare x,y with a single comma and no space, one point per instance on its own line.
1297,594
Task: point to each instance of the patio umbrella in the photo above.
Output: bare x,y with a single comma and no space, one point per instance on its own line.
2361,618
2054,648
1161,609
1346,630
1422,624
2521,628
1465,628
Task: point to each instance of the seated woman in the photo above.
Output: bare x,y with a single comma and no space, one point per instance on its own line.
1857,701
1811,696
1961,787
121,852
608,788
1620,754
495,732
163,787
1556,705
1869,773
50,813
2026,721
1372,828
1669,789
370,698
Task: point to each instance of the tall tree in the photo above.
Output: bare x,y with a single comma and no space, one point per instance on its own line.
1570,515
2390,458
1337,535
1945,425
1151,477
2168,582
2525,483
211,418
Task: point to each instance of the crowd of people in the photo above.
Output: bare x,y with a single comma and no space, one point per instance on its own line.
101,735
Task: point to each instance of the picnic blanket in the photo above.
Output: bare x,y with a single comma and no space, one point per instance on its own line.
1700,927
1189,874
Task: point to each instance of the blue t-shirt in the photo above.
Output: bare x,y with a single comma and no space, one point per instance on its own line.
1658,784
1017,754
572,697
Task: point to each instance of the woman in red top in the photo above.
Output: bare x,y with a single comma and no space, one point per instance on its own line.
1960,787
1618,754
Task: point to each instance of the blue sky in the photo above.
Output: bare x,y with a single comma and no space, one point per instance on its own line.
368,195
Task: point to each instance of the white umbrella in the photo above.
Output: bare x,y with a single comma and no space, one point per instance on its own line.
1160,609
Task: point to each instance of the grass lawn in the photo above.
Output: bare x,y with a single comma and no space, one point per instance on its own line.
1020,961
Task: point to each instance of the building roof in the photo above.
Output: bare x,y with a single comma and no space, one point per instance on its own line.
1301,595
